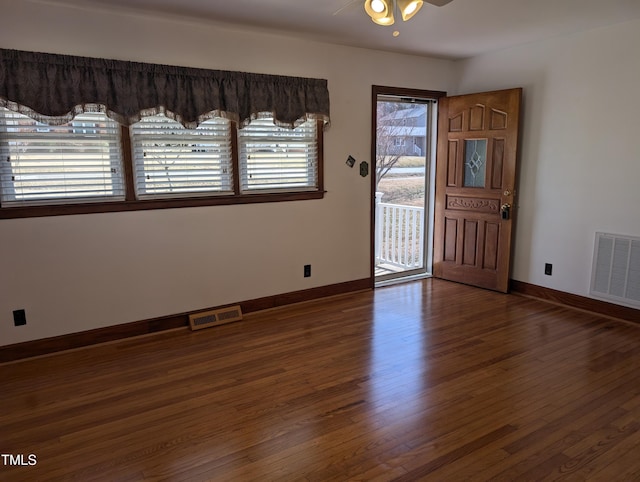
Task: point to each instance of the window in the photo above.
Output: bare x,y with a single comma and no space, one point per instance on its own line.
80,161
399,141
92,164
275,159
171,161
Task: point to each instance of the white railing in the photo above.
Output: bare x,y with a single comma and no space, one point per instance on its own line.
399,235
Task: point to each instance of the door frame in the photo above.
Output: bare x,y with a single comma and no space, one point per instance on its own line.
377,90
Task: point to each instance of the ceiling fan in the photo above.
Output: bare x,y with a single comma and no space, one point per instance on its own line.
381,11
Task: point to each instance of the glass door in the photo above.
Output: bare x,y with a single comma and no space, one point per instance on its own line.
404,174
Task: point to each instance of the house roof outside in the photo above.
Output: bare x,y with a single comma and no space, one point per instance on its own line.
412,113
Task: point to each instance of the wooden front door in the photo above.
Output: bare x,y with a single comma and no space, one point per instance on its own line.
475,187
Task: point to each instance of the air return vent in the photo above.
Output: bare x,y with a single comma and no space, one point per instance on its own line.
211,318
616,269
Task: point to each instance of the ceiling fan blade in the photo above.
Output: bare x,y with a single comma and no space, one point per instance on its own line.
438,3
343,8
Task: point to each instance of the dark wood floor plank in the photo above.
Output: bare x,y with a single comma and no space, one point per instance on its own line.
619,463
426,380
425,469
526,462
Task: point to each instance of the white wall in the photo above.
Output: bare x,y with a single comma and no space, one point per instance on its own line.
75,273
580,166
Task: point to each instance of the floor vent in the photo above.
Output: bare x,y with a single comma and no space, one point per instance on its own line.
616,269
221,316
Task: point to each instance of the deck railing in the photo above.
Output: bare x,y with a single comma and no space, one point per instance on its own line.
399,235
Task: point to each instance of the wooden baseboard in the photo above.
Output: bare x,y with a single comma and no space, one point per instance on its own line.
576,301
47,346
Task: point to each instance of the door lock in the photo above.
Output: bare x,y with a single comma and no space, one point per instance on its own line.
505,210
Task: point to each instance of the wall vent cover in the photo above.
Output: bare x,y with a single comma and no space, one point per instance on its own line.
616,269
221,316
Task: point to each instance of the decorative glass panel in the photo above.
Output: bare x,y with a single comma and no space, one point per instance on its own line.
475,162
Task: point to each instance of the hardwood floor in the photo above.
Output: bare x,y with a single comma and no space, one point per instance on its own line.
428,380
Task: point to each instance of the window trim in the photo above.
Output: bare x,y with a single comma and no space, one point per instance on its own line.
132,204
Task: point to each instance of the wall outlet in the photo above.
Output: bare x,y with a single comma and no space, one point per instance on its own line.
19,318
548,269
307,270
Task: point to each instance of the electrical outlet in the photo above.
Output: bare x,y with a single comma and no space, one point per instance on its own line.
307,270
548,269
19,318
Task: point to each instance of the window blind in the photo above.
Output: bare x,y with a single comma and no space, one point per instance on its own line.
273,158
171,161
80,161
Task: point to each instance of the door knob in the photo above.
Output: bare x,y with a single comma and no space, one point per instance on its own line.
505,210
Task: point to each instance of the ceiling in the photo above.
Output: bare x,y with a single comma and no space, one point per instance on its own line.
464,28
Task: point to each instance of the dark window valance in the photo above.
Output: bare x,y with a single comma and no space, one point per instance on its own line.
54,88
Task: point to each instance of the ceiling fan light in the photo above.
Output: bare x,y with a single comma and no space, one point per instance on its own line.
408,8
388,20
377,6
378,9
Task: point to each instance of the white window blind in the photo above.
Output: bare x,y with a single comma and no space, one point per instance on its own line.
77,162
171,161
278,159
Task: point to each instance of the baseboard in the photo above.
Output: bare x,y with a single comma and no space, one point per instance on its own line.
576,301
47,346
